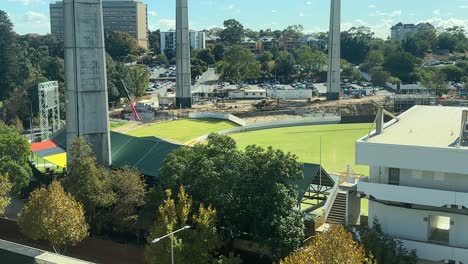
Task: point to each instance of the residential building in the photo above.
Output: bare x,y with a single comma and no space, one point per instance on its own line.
266,43
168,41
418,184
288,44
250,44
400,31
313,42
118,15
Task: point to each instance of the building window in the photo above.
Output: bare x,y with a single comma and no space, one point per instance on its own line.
394,176
439,229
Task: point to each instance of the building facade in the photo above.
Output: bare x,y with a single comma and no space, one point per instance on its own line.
168,41
118,15
418,184
400,31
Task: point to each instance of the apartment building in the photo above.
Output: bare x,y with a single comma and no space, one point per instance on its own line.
400,31
118,15
250,44
266,43
418,184
168,41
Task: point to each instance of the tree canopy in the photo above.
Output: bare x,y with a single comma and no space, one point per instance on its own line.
239,64
232,33
55,216
241,186
121,44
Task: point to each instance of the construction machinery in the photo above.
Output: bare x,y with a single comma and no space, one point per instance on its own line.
131,102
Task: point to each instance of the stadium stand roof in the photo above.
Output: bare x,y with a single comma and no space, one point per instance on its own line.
144,154
312,177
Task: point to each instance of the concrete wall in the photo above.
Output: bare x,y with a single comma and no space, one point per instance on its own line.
413,224
223,116
290,94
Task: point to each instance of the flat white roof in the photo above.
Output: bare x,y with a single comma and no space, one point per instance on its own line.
430,126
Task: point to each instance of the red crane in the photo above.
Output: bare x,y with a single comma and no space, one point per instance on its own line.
132,103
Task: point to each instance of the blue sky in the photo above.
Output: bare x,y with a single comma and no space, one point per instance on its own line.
32,16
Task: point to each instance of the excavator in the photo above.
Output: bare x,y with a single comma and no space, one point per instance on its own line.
131,102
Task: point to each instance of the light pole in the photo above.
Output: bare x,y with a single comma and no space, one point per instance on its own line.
172,240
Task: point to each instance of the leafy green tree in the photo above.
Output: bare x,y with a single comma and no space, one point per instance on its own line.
285,63
310,60
121,44
232,33
293,31
55,216
335,246
206,56
137,78
239,64
421,42
88,183
383,248
380,77
8,65
55,69
452,72
198,67
218,52
161,59
241,186
196,245
129,190
375,58
5,188
14,154
154,41
401,65
463,65
434,79
267,65
355,44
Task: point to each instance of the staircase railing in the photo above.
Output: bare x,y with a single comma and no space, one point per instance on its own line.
330,201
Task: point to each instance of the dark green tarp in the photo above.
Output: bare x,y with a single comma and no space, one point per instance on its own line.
144,154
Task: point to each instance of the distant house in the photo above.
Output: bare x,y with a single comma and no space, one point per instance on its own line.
250,44
400,31
266,43
311,41
288,44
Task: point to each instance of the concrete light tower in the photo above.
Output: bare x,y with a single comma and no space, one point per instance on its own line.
85,73
183,71
334,52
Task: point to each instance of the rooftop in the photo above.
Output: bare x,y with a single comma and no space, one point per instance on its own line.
427,126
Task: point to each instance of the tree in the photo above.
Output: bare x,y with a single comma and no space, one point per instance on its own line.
336,245
310,60
154,41
452,72
198,67
421,42
239,64
355,44
14,154
435,80
383,248
120,44
161,59
218,52
380,77
293,31
137,78
401,65
5,188
285,64
206,56
375,58
241,186
267,65
55,216
232,33
8,65
196,245
129,189
88,183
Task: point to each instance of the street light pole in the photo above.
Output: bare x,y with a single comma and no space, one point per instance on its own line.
172,240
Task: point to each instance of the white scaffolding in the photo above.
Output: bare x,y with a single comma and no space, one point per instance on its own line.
49,102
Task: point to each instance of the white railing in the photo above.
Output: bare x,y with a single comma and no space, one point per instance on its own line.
331,199
413,195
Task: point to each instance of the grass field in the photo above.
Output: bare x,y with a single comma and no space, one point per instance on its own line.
338,143
114,124
182,130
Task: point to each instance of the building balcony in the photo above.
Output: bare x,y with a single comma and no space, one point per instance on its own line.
437,252
412,195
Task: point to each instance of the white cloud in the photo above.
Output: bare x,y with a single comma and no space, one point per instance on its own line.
274,11
447,23
27,2
436,12
152,13
395,13
31,22
372,6
166,24
309,3
35,18
463,6
301,14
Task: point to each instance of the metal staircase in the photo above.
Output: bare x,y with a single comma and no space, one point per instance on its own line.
337,213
